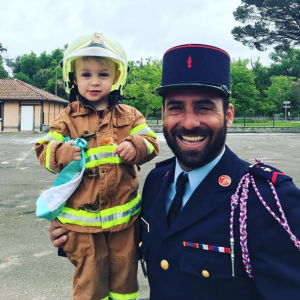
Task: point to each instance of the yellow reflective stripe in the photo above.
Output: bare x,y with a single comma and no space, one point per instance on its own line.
103,161
116,296
51,136
105,298
149,146
47,161
142,129
104,218
101,155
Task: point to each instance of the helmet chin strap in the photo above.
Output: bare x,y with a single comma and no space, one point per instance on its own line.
73,93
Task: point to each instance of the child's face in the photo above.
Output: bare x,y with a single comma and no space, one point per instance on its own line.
95,79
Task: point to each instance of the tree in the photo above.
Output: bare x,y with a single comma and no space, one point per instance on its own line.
268,22
244,94
286,62
23,77
143,79
3,72
279,91
261,79
295,92
29,64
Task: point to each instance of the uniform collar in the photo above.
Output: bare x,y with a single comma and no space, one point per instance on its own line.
196,176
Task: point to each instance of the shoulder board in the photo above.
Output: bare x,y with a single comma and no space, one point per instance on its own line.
268,173
165,162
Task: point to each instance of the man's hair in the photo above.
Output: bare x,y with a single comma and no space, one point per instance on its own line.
99,59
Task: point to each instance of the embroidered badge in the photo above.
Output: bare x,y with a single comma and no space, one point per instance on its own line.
207,247
224,180
189,62
97,39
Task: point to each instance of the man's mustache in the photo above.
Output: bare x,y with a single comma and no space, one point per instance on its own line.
201,131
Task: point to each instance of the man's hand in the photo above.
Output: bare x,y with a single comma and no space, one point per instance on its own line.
57,234
127,151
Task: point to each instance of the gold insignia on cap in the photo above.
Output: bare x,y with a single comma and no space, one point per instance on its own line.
224,180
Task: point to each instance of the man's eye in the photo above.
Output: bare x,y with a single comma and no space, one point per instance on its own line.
204,108
174,107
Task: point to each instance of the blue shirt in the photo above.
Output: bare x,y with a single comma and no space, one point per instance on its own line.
196,176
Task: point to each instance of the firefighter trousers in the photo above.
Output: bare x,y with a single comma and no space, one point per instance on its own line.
106,264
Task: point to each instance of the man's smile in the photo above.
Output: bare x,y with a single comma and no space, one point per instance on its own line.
192,139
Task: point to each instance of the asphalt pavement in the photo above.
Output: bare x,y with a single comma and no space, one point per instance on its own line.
29,266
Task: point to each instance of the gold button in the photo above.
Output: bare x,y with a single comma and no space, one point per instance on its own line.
205,273
140,244
164,264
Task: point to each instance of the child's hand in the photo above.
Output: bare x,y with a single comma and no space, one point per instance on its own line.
76,155
67,153
127,151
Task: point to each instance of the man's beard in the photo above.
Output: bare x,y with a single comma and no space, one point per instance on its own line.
193,158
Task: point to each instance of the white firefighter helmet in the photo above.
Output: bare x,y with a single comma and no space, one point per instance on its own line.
94,44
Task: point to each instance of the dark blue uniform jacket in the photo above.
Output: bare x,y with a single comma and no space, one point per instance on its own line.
205,219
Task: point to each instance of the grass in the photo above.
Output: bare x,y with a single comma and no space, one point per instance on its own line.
269,124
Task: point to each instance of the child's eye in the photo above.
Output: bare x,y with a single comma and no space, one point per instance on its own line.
104,74
85,74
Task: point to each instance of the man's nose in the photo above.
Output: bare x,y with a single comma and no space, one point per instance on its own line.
190,121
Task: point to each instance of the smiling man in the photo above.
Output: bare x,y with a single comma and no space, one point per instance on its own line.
207,233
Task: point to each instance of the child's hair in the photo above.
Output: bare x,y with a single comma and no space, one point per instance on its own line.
100,59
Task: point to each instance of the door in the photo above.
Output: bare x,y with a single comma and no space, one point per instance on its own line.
26,118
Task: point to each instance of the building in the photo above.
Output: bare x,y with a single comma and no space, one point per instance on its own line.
25,107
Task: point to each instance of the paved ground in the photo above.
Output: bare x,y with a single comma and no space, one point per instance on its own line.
29,266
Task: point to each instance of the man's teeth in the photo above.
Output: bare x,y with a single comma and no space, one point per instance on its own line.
193,138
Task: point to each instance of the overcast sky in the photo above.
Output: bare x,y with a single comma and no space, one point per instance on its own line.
145,28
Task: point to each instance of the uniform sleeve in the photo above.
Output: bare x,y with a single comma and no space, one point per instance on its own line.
274,257
51,150
144,140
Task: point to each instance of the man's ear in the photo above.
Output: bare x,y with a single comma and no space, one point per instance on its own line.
117,76
162,112
229,115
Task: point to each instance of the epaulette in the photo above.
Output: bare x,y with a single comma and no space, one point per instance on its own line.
165,162
269,173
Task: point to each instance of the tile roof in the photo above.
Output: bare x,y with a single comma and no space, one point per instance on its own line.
14,89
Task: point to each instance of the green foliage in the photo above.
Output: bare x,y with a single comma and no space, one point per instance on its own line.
295,92
244,94
286,62
268,22
279,91
143,80
41,71
3,72
41,77
23,77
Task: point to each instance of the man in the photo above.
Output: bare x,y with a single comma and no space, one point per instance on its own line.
213,227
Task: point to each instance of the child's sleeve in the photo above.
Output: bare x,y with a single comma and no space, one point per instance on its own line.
144,140
51,150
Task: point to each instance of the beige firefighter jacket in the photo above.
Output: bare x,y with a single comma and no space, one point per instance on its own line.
104,185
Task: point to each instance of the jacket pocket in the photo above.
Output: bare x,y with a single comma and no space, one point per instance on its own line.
78,244
123,120
207,265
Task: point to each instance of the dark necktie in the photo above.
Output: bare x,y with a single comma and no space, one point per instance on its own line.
177,201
